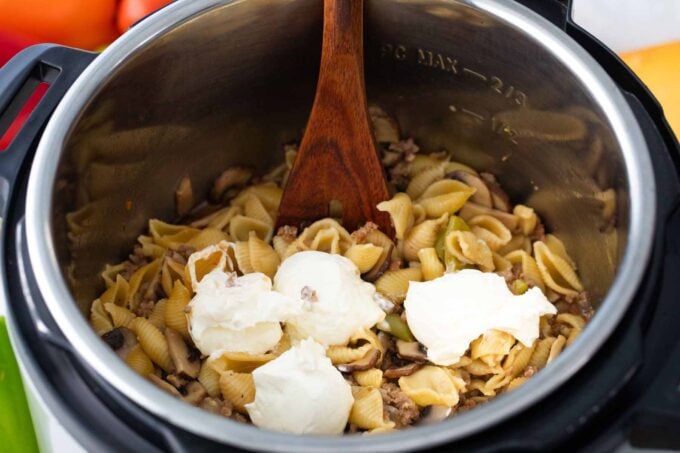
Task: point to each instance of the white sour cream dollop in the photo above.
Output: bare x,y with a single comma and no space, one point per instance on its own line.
448,313
238,314
337,303
301,392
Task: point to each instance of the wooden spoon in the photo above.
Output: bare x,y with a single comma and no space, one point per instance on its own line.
338,160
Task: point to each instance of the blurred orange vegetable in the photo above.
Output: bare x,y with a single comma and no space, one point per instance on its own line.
87,24
659,68
130,11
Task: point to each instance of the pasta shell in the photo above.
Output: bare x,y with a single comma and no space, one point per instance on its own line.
541,353
480,385
327,240
531,273
557,247
500,263
367,336
254,209
517,242
493,342
518,359
120,316
153,343
308,235
281,245
150,248
218,219
394,284
364,256
470,210
445,197
145,274
431,267
574,321
479,368
369,378
557,273
419,214
241,226
157,316
432,385
170,236
99,319
269,194
400,210
495,383
424,179
210,380
422,162
346,354
423,235
452,166
110,273
516,383
263,258
573,335
175,316
367,410
468,249
237,388
526,219
240,362
117,293
490,230
139,361
218,256
556,348
206,238
242,254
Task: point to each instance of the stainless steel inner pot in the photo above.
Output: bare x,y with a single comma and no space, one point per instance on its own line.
207,83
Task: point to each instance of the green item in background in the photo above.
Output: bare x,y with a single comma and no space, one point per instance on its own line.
16,427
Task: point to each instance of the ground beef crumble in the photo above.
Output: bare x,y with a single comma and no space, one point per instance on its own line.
398,407
360,235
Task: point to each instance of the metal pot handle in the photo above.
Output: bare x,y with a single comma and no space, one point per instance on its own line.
50,64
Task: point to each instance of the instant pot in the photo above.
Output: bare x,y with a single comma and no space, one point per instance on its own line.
510,87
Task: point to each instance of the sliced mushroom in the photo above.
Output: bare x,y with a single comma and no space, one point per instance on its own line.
406,370
121,340
434,414
164,385
177,381
114,338
181,356
482,195
366,362
195,392
411,350
381,266
500,199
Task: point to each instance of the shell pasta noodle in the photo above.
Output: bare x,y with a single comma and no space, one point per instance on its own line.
201,306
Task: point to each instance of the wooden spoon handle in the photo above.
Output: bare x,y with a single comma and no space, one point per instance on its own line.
338,159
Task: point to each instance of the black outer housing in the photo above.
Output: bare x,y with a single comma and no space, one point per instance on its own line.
627,392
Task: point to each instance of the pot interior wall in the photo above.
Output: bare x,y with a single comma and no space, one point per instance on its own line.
233,84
